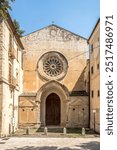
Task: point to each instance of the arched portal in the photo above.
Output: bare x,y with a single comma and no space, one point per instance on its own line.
53,107
45,93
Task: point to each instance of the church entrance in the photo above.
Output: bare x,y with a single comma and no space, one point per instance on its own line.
53,109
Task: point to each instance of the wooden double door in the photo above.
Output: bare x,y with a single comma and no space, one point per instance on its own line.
53,108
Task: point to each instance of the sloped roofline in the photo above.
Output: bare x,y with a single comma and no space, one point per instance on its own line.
57,27
93,29
10,22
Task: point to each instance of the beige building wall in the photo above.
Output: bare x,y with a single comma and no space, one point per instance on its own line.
94,42
10,76
45,40
72,50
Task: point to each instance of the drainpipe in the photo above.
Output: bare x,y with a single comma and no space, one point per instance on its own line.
13,116
89,86
13,87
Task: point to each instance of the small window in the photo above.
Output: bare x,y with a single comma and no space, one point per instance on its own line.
98,66
91,47
98,93
85,83
92,93
98,39
92,70
11,93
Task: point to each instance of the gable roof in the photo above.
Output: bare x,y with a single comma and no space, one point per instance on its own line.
56,27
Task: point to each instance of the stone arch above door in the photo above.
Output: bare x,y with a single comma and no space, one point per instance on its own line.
53,86
61,91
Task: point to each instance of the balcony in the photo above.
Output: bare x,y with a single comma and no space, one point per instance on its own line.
12,53
12,82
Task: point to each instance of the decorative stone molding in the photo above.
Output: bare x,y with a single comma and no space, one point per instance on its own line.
47,89
53,86
52,66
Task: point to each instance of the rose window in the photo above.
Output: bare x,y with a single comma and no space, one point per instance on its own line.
53,66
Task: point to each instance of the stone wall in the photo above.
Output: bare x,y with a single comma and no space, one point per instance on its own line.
95,79
28,111
9,88
49,39
78,112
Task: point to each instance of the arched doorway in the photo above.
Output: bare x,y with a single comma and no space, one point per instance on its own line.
53,109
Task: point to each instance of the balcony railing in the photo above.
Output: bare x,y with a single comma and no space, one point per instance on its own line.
12,53
12,82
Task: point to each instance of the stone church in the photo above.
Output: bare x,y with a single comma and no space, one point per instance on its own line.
46,78
54,79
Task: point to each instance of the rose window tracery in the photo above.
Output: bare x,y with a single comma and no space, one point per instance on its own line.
52,66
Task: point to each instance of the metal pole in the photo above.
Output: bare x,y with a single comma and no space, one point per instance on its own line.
94,121
83,117
13,121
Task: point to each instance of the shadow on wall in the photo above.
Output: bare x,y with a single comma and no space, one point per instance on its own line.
84,146
80,84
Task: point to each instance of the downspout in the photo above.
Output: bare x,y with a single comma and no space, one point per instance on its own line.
89,86
13,116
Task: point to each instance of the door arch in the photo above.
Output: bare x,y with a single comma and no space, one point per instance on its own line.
53,109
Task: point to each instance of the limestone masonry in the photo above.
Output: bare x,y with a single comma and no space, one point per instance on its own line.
45,79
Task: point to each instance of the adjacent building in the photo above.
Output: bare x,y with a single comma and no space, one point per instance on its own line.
94,43
10,76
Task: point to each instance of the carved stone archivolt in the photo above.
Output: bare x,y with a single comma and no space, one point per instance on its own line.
52,66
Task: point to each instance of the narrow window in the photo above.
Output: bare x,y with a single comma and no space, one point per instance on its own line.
17,77
85,83
92,70
92,93
98,66
91,47
98,93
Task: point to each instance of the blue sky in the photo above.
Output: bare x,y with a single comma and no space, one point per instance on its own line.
78,16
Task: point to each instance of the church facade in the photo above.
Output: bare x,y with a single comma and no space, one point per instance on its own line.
46,79
54,91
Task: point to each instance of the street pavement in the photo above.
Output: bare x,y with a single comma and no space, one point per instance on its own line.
37,143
